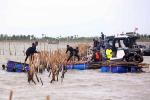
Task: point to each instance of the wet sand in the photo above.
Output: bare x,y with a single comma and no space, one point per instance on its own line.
77,85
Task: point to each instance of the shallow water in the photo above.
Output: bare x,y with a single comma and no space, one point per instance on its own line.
77,85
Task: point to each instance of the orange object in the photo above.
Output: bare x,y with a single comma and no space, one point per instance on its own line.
97,56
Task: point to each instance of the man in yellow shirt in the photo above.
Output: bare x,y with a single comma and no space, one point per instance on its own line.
108,53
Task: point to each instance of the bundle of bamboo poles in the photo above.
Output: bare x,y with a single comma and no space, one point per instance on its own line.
83,49
53,61
128,64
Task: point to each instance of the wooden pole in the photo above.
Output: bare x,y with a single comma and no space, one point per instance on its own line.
41,81
44,44
11,94
149,66
48,97
24,49
3,51
9,48
15,49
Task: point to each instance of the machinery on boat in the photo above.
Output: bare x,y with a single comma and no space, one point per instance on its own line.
124,44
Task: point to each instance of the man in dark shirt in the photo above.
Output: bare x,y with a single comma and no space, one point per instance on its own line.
73,52
95,43
76,53
31,50
102,36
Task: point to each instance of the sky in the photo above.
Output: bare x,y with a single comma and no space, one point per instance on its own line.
74,17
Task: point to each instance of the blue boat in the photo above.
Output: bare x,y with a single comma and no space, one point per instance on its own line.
13,66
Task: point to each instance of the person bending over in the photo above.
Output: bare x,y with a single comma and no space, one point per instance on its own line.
73,52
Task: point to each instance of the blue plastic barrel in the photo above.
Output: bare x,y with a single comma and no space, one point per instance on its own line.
80,66
119,69
27,68
10,66
134,69
68,67
105,69
19,67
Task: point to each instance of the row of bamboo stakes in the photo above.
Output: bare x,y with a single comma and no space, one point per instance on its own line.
12,48
11,96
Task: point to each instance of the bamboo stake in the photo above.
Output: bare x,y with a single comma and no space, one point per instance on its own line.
3,52
149,67
24,49
9,49
11,94
48,97
37,78
41,81
15,50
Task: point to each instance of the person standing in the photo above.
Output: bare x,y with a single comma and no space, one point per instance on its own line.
76,53
71,50
102,51
95,43
102,35
96,56
108,53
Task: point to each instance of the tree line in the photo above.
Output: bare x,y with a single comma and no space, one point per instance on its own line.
4,37
16,37
144,37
